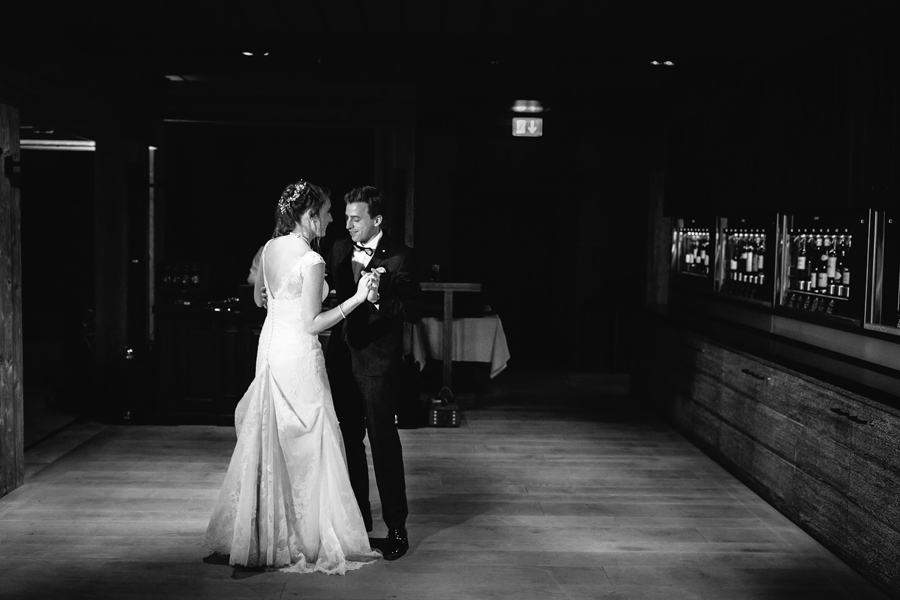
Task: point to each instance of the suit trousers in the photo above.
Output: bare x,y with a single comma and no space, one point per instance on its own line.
366,405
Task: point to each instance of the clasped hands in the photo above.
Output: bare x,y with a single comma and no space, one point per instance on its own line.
369,282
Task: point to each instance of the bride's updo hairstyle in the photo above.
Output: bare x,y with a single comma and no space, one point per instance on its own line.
296,200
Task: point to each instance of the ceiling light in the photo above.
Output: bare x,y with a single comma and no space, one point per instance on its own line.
669,63
247,53
527,106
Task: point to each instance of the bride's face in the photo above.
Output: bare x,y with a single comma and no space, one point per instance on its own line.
324,217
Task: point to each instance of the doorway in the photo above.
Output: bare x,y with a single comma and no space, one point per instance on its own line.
58,235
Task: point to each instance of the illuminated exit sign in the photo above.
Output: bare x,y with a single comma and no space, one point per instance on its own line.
528,126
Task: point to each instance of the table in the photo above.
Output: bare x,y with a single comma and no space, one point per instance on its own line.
474,339
448,288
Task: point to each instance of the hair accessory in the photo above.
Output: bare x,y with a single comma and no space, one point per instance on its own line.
287,198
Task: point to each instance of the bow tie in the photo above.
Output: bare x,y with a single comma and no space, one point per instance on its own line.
361,248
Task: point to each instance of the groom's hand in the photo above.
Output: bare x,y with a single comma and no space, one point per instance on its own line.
375,281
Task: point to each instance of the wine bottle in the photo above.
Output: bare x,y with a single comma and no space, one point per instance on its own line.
760,252
822,275
845,273
839,262
819,278
830,259
688,252
749,255
800,266
801,253
733,256
822,243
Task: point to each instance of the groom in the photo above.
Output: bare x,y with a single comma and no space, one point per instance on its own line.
364,356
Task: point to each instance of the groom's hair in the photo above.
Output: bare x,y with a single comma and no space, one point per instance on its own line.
371,196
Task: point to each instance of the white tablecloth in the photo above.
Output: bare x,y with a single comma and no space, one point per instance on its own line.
474,340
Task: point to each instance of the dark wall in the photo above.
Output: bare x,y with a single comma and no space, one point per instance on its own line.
815,131
552,226
222,184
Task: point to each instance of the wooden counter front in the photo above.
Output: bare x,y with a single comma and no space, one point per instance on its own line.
827,458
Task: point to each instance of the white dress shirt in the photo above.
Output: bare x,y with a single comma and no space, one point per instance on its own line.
363,258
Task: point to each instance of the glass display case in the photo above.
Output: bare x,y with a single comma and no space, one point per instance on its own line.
692,253
819,254
883,301
746,269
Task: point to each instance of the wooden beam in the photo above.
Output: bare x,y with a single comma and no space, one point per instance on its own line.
12,464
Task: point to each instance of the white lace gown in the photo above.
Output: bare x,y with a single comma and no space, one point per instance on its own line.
287,501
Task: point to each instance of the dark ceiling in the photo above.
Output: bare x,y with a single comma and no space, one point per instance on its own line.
140,53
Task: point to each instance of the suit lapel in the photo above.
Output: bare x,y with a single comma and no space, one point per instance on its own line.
381,252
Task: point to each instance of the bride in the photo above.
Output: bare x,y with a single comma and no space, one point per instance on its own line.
287,501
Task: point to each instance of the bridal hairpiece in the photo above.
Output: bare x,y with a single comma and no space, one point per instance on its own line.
290,195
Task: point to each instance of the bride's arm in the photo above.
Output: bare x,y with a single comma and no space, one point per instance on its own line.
258,284
315,320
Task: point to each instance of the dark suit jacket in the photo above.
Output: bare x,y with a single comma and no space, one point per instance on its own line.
374,335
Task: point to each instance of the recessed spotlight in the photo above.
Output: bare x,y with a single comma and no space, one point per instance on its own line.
669,63
655,63
247,53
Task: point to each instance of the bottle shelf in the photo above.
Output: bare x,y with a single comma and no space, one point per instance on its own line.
694,274
815,302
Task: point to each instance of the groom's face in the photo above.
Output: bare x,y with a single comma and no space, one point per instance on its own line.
360,223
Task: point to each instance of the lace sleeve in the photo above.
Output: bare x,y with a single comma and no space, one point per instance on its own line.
311,258
314,258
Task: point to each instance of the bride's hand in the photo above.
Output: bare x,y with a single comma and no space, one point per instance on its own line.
364,286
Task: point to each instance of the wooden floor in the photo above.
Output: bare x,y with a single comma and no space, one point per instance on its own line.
554,487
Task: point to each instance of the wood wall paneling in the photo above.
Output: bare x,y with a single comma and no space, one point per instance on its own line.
12,468
821,510
768,473
879,552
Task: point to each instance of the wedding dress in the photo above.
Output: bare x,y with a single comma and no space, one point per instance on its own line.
287,501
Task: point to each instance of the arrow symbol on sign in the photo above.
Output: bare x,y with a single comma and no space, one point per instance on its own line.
531,127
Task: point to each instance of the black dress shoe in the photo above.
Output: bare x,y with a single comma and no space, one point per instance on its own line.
395,544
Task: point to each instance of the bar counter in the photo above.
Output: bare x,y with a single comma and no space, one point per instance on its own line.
809,424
